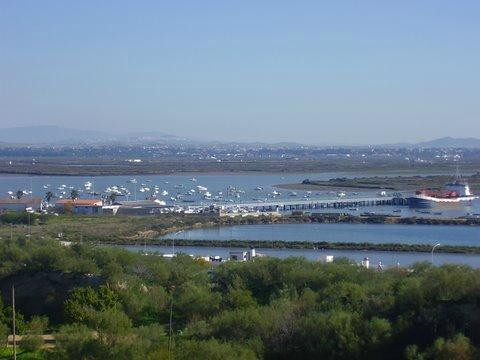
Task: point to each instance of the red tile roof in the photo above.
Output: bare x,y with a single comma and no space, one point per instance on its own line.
80,202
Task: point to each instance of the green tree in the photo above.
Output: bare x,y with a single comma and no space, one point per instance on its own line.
344,295
212,350
73,342
74,194
239,298
85,301
413,353
457,348
21,324
241,324
32,340
112,325
195,302
376,337
331,335
4,332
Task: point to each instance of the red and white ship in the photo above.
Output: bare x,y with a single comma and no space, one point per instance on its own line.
454,193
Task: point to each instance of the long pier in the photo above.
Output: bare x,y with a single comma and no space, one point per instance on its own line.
311,204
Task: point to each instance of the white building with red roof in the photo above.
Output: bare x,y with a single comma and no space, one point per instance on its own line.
80,206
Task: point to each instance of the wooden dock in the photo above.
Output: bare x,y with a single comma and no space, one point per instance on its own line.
312,204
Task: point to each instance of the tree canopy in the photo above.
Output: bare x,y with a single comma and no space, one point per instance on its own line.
118,305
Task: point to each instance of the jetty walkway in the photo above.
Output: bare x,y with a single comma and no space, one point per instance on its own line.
311,204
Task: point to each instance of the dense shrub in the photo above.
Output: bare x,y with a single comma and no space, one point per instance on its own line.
147,307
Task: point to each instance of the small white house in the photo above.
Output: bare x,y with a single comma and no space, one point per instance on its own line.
242,255
366,263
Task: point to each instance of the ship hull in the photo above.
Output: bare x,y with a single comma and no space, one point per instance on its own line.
429,202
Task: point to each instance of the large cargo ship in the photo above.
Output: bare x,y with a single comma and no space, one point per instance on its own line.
457,192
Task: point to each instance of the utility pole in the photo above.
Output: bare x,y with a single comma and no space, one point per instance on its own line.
145,242
29,226
170,325
13,324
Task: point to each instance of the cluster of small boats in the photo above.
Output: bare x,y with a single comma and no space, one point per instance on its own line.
180,192
13,195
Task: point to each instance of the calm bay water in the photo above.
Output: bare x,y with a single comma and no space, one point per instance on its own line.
259,187
174,184
357,233
388,258
251,188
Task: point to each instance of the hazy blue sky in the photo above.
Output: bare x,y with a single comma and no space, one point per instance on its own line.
309,71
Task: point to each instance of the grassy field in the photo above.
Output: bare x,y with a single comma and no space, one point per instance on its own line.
104,228
122,229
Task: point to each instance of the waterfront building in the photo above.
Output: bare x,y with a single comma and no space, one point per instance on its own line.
80,206
139,207
23,204
242,255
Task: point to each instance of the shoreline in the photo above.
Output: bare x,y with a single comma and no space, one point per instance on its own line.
420,172
324,218
306,245
149,169
140,230
312,187
399,183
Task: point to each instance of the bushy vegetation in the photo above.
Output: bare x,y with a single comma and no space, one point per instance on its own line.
122,305
20,217
113,229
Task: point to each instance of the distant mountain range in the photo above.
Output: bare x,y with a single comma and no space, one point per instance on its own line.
60,135
451,142
445,142
36,135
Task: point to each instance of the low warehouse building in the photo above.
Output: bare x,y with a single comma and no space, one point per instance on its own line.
23,204
140,207
80,206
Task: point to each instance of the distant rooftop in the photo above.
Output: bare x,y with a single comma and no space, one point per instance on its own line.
134,203
24,201
80,202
